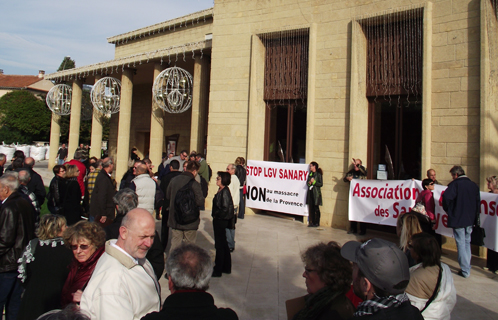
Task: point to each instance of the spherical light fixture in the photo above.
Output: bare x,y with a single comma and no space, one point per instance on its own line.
105,95
59,99
172,90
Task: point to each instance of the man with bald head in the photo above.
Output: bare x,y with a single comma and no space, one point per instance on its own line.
123,284
35,185
145,188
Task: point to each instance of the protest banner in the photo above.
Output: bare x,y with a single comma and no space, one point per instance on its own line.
277,186
382,201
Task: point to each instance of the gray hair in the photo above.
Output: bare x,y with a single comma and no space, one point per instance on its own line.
78,155
68,313
126,200
24,176
2,156
107,162
190,267
10,180
457,170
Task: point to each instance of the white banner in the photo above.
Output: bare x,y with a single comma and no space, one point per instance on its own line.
277,186
382,201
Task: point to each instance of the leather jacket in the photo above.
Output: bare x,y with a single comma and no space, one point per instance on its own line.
55,196
17,228
223,205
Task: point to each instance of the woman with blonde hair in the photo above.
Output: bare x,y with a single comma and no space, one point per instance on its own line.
71,205
43,268
410,227
86,240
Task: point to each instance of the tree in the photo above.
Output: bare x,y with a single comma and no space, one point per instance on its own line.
24,118
67,63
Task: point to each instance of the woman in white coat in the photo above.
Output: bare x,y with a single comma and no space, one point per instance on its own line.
431,287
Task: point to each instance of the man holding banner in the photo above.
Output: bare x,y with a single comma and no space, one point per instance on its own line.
461,200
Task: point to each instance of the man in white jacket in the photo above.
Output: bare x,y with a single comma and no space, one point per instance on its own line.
123,284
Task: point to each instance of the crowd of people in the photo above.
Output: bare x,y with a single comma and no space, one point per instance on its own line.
97,255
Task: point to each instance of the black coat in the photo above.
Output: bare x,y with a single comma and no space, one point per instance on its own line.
102,203
46,275
461,200
56,192
36,186
71,205
17,228
191,305
155,255
223,205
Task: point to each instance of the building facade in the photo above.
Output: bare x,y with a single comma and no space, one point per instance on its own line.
410,84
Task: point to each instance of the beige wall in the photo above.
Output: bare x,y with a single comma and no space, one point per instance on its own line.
454,118
166,39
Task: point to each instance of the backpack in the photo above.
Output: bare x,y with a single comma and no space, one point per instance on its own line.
186,210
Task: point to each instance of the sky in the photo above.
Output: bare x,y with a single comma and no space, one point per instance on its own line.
37,34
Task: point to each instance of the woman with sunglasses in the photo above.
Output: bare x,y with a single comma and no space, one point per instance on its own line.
427,198
86,240
43,268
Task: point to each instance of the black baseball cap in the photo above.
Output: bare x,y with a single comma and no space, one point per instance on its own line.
382,263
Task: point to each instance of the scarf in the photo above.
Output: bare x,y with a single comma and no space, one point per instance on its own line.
372,306
316,303
79,275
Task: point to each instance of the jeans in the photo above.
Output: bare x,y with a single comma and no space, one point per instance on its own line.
10,294
230,238
60,161
462,239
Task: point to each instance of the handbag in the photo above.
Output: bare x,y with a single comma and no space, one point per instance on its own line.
478,233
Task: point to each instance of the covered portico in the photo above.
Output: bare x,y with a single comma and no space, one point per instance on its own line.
140,56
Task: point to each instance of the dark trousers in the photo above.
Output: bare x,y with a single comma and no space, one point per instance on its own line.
223,260
10,294
354,228
164,228
314,212
242,204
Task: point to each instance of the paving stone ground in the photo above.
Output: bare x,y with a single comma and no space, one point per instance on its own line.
267,269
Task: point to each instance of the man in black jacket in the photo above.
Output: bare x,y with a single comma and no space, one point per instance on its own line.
102,205
174,171
35,185
380,277
189,270
17,228
461,200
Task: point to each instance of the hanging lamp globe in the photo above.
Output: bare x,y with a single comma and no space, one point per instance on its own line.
172,90
59,99
106,95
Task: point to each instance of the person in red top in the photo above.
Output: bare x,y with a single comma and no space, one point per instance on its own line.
78,156
427,198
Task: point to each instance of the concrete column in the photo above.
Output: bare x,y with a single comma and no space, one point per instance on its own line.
123,152
96,139
55,132
200,98
75,121
156,126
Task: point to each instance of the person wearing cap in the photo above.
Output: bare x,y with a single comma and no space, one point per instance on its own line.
380,277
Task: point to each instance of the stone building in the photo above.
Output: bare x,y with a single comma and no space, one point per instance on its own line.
321,81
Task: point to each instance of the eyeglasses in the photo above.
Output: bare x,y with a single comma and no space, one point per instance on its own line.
308,270
218,178
74,247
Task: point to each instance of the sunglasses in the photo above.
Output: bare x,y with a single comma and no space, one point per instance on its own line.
74,247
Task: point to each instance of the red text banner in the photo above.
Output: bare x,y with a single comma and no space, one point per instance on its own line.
381,202
277,186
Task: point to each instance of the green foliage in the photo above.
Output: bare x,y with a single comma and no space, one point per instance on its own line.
67,63
24,118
